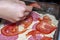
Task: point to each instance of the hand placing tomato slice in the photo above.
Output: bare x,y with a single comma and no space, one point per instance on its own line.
46,38
12,29
45,28
27,22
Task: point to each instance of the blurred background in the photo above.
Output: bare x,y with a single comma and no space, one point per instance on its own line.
50,1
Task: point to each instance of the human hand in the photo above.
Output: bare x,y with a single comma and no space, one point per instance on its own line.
14,10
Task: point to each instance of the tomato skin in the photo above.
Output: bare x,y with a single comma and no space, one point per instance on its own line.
45,28
46,38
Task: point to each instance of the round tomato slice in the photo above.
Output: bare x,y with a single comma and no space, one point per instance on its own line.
45,28
27,22
46,38
10,30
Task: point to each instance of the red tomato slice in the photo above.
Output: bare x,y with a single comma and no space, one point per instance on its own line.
46,38
33,33
27,22
10,30
45,28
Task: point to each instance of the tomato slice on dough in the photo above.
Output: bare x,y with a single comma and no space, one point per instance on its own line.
33,34
11,30
45,28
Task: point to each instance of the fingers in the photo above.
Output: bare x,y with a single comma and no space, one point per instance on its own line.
29,8
26,13
15,12
13,20
21,2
